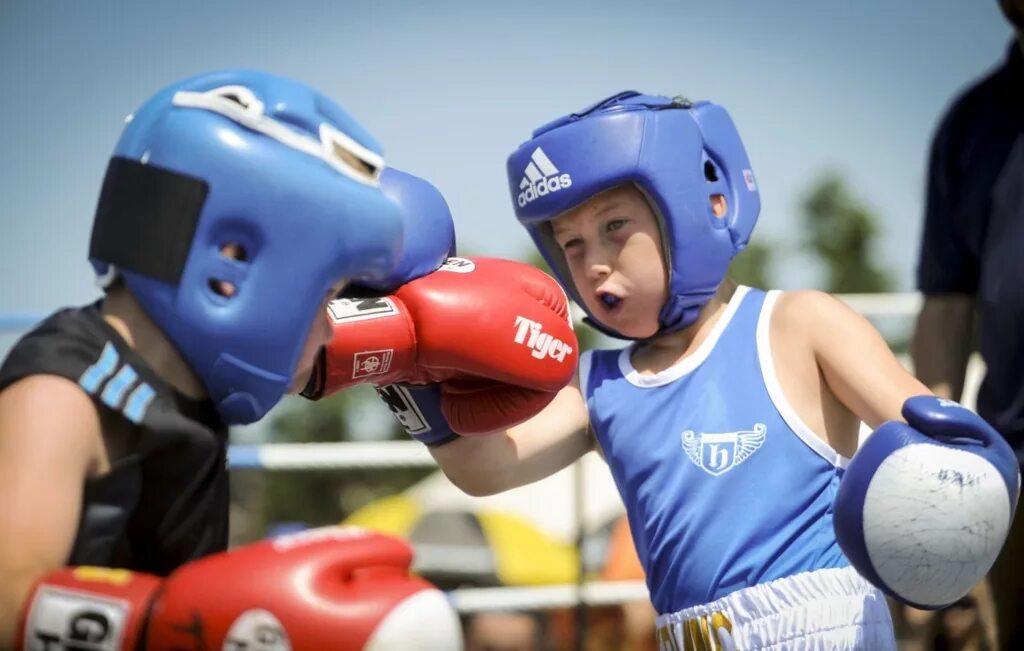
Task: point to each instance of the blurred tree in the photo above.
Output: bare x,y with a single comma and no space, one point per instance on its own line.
325,496
752,266
842,230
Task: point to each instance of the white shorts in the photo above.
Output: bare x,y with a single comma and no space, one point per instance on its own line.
834,609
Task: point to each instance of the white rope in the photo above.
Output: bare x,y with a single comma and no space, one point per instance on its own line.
471,600
875,305
313,456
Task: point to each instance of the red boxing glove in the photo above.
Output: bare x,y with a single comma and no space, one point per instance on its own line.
340,588
496,334
86,608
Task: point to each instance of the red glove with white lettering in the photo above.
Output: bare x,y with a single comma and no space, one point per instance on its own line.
496,335
340,588
87,608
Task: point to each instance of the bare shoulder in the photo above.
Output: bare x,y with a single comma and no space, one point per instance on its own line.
815,314
857,364
50,442
49,415
803,305
47,397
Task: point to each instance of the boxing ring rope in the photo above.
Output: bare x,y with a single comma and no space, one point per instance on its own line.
330,456
593,593
893,304
410,454
906,304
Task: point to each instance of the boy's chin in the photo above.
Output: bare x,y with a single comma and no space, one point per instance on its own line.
631,329
641,332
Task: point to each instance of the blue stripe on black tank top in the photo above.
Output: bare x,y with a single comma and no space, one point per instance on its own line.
724,485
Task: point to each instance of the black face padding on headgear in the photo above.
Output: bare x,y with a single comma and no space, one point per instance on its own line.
146,219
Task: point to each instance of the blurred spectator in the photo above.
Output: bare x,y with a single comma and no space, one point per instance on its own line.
637,617
628,626
503,631
964,626
959,628
970,267
603,629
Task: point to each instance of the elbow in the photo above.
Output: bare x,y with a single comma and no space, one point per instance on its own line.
474,483
484,488
479,466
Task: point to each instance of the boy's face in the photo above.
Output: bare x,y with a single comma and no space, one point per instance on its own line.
612,246
319,336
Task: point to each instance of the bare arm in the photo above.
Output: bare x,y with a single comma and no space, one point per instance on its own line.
543,445
50,441
942,342
857,364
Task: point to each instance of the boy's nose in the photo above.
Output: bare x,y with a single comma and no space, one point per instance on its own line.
598,270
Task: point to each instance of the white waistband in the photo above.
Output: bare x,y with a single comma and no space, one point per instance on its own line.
824,609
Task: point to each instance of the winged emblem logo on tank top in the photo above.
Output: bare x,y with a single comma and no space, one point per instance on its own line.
716,453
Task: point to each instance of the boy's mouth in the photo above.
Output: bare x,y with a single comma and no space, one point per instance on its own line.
610,301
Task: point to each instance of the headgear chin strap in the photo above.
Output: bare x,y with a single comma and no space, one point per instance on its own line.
678,153
270,166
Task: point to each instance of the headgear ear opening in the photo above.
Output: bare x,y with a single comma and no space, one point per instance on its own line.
710,173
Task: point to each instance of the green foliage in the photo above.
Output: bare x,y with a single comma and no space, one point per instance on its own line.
841,231
753,266
330,419
325,496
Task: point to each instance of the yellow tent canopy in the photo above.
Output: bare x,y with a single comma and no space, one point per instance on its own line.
525,536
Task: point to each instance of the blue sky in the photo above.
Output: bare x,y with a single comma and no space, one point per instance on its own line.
451,88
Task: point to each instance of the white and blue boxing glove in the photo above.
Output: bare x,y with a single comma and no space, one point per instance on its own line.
925,506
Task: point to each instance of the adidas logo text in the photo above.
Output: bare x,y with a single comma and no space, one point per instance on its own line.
529,334
540,178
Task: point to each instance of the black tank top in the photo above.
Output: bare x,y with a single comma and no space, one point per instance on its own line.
165,501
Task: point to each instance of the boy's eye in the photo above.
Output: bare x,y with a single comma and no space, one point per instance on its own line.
615,224
571,243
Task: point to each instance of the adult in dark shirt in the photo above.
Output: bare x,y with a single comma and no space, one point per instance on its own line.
971,272
236,205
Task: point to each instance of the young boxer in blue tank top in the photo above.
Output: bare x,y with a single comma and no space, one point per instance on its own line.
730,422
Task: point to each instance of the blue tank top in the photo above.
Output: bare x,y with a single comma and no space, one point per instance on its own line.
725,487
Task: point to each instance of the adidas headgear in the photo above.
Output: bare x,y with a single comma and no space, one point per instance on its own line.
678,153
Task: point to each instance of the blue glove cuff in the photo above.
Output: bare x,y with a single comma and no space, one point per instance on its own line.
418,410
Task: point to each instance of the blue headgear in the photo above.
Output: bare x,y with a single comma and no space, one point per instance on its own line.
677,153
269,164
429,241
428,226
